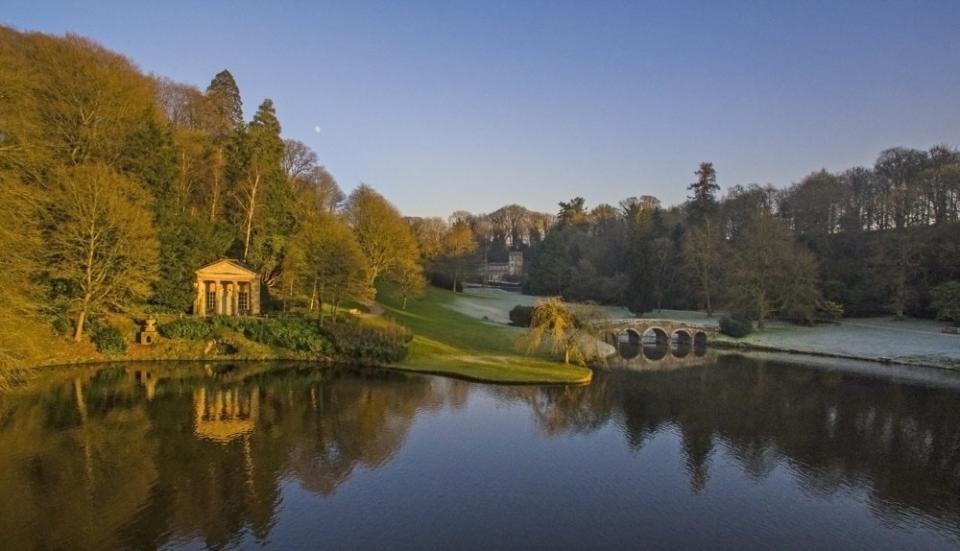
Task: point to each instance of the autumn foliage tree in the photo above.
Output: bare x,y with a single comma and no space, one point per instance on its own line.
20,241
325,262
101,239
383,235
457,247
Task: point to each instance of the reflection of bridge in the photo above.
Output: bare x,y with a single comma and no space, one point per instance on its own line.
660,343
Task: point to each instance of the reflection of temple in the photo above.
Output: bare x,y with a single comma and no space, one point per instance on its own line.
225,414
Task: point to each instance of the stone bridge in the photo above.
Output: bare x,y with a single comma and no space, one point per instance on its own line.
643,343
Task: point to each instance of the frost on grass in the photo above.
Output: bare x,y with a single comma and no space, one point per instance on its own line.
495,304
909,341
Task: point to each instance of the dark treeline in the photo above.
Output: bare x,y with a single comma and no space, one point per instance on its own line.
865,241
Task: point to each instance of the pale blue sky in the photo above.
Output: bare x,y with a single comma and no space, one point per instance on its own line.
471,105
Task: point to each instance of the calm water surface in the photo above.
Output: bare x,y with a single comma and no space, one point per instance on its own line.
739,454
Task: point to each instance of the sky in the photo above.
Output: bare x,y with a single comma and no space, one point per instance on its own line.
451,105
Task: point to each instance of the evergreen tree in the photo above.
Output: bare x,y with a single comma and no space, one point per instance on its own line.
224,107
223,121
257,190
703,198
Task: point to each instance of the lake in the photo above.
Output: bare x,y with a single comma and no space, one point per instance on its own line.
741,453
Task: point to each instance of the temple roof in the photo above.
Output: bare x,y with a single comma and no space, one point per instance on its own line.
229,261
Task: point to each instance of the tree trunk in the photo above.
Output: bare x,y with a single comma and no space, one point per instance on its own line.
78,332
706,292
761,311
217,178
251,208
320,305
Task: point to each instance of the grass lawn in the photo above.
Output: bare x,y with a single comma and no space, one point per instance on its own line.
449,342
495,304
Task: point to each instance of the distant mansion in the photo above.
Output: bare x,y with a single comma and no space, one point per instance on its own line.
227,287
495,272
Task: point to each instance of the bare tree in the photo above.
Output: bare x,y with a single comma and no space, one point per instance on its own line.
103,242
299,161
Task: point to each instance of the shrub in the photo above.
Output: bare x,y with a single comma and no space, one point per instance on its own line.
194,329
830,310
351,342
290,333
362,344
443,281
946,300
521,315
108,339
736,328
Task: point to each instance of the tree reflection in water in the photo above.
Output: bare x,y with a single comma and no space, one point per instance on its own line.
140,455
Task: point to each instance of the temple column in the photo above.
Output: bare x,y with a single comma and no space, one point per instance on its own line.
227,298
236,298
218,285
255,297
199,302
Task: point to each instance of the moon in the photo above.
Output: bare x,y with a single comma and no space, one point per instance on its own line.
316,129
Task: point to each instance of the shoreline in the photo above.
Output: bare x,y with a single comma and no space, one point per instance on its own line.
321,363
723,344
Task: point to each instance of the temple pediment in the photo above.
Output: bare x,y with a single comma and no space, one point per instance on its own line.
227,267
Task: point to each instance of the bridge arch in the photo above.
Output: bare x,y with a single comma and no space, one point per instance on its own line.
629,344
656,343
699,343
653,336
680,343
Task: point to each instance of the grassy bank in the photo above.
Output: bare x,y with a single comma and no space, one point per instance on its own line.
446,342
449,342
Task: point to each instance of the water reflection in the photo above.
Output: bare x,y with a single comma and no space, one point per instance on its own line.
147,455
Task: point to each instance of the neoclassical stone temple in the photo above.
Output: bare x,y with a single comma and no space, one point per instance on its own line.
227,287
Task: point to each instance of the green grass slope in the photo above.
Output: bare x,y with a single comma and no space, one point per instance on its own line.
451,343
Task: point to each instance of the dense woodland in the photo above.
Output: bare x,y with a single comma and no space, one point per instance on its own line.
117,185
869,240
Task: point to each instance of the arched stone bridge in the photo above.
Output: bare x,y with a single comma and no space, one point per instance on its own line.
656,343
